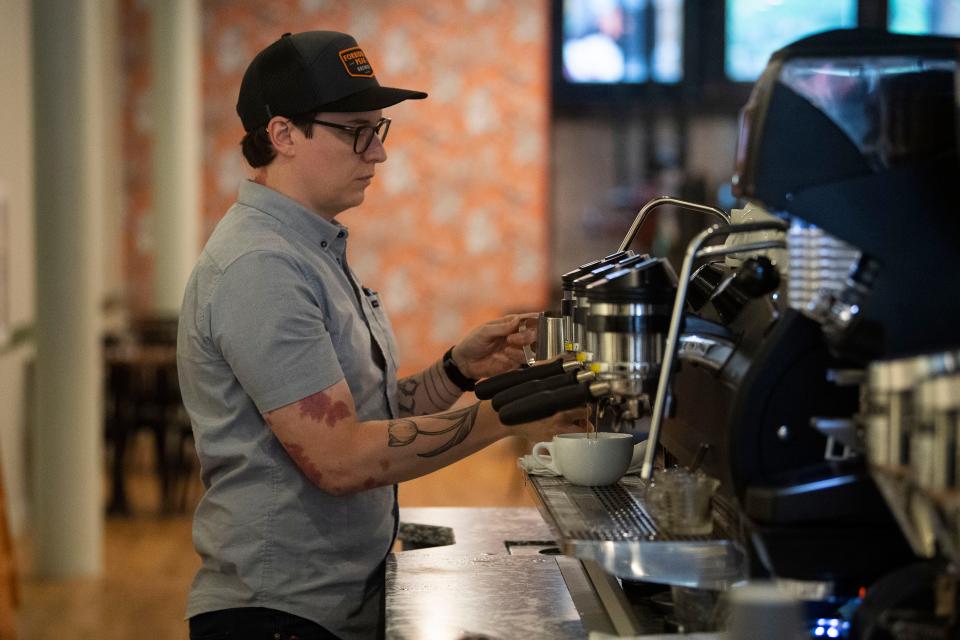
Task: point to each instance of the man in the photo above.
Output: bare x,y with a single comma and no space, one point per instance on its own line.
288,367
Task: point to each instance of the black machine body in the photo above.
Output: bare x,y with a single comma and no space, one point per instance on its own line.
851,138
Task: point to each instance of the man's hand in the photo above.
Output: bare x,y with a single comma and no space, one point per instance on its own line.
569,421
495,347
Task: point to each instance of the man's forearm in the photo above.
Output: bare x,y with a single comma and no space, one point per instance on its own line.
404,431
377,452
342,455
429,391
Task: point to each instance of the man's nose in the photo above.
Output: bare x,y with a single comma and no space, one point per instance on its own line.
376,152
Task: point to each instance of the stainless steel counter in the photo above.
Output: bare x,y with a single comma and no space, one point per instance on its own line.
475,588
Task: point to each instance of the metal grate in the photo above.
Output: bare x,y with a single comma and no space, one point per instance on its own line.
617,512
628,520
614,527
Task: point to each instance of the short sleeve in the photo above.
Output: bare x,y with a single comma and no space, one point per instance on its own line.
268,322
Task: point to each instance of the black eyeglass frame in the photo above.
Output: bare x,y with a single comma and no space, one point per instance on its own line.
382,123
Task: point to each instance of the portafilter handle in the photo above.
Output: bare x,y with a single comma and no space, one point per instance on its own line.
486,389
544,404
535,386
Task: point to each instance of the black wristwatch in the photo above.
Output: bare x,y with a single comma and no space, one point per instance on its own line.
456,376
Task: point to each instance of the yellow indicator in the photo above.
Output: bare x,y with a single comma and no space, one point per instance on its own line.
581,356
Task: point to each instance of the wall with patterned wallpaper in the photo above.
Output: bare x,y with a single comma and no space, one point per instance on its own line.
454,229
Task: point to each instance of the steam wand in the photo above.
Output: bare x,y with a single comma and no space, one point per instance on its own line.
662,200
694,252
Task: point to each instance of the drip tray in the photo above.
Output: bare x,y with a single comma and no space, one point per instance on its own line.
616,527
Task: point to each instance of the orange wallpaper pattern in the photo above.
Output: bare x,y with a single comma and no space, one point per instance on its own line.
454,228
136,149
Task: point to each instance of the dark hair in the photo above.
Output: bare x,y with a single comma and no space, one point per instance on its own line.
256,145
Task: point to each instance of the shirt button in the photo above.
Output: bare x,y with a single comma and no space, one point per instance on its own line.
341,234
323,244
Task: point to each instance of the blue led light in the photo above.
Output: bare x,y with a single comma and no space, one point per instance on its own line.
833,632
821,621
819,631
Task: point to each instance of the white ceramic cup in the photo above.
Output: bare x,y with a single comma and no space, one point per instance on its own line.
587,459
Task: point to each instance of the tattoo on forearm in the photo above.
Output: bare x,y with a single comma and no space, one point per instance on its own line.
407,401
431,381
426,392
401,433
445,382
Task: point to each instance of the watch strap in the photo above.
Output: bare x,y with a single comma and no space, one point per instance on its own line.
456,376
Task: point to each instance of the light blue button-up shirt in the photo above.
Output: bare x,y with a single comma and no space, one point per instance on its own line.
271,315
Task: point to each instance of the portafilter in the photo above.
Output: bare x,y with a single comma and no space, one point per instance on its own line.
625,324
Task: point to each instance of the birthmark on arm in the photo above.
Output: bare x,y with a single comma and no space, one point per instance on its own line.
384,464
320,408
369,483
303,462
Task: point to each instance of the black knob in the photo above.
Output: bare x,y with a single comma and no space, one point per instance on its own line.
757,277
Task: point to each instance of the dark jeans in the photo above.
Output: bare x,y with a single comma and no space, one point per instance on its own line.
255,623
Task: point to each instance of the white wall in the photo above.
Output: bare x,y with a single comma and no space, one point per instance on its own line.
17,176
16,181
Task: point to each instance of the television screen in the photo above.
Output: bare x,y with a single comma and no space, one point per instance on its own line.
923,17
622,41
757,28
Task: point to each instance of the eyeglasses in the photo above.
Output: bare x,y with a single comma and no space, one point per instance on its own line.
362,135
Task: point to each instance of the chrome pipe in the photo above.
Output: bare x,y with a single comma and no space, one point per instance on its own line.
656,202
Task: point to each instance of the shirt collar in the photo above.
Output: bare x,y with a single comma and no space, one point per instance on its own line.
327,235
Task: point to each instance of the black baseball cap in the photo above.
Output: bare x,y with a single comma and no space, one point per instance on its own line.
312,71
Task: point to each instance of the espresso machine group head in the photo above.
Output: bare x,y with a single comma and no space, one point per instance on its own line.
615,316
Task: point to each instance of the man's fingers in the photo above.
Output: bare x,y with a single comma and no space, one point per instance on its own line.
584,423
500,327
514,319
515,355
532,315
511,318
577,415
522,338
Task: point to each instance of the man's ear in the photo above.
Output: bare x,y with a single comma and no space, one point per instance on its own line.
280,130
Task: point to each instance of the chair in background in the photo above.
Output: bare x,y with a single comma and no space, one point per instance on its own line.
143,392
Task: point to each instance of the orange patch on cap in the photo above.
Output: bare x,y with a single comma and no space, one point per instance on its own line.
355,62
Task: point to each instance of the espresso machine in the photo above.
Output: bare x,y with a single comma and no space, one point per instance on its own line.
805,355
866,184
